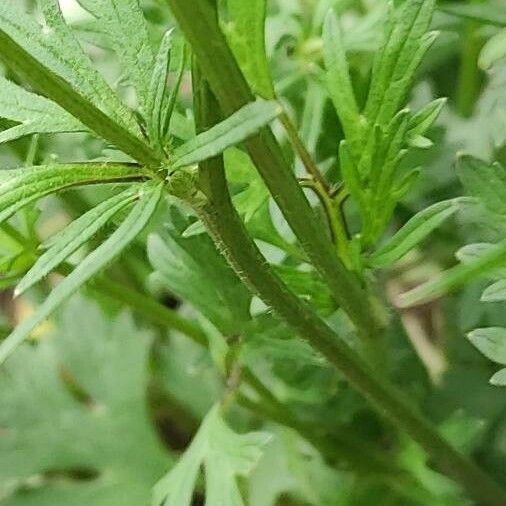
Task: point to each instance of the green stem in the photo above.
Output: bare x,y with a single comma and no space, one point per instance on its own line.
228,231
151,309
197,19
336,222
303,153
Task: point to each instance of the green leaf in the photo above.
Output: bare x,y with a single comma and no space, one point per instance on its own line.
499,378
19,187
50,59
55,47
397,93
495,292
245,31
491,342
224,456
235,129
160,104
420,122
493,50
471,253
35,114
97,260
484,181
49,431
338,78
413,232
72,237
395,64
457,276
156,97
123,23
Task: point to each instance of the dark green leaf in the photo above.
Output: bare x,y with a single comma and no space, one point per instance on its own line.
338,78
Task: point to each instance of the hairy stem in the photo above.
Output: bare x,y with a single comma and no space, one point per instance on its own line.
227,229
197,19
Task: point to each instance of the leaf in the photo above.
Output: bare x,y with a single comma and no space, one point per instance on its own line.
493,50
123,23
484,181
499,378
420,122
158,90
224,455
413,232
495,292
55,47
396,63
97,260
19,187
50,59
73,237
193,269
338,78
35,114
49,433
457,276
473,252
160,104
491,342
245,31
235,129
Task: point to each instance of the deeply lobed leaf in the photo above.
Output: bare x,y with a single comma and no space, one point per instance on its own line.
97,260
72,237
35,114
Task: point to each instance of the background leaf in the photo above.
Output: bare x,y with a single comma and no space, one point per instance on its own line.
73,237
49,432
98,259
